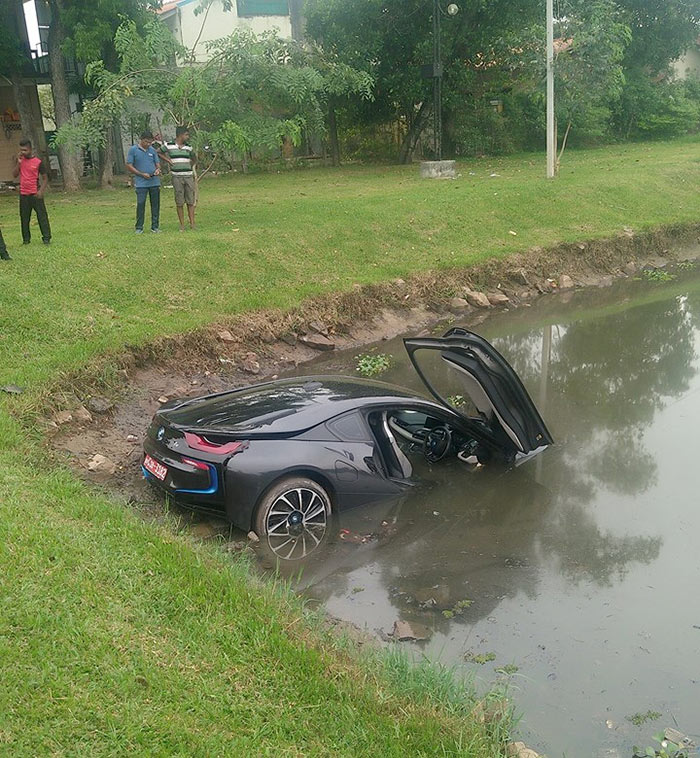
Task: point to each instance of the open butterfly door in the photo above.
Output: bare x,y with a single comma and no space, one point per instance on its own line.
468,375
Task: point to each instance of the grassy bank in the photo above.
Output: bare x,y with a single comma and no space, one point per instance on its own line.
272,240
118,637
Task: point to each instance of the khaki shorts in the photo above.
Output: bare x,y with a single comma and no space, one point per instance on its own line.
184,190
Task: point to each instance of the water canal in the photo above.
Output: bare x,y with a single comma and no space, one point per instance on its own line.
574,577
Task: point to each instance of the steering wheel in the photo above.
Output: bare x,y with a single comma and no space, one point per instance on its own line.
437,444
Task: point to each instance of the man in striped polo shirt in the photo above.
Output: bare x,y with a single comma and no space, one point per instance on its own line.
181,158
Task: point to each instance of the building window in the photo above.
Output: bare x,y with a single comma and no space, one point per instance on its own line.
263,7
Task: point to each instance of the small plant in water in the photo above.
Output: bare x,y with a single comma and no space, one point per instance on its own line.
509,668
480,658
641,718
687,265
371,365
666,749
657,275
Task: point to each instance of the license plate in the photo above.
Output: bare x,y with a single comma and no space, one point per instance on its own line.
157,469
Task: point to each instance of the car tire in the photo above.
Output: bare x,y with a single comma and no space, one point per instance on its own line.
293,518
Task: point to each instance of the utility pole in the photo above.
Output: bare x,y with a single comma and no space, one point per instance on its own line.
551,143
437,84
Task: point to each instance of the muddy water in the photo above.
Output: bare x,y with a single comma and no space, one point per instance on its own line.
579,571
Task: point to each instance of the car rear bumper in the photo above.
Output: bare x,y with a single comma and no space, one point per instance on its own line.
188,480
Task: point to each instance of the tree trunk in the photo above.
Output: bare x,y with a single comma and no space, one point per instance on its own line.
107,161
333,136
413,135
69,160
31,129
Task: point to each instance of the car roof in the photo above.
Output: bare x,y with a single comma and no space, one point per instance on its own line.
284,406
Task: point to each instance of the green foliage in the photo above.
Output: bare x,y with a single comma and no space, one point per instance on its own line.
12,56
373,364
479,658
641,718
666,749
589,73
392,39
509,668
658,109
657,275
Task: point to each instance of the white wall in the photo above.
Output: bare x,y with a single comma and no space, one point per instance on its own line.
688,65
186,26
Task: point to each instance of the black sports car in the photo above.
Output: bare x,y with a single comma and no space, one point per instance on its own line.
279,458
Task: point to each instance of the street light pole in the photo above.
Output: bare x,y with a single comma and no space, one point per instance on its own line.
551,143
437,84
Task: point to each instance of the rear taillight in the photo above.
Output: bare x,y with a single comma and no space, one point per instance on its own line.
197,464
204,445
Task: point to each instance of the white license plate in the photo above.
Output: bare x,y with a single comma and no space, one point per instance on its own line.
157,469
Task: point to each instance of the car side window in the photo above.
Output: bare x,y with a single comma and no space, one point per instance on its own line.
351,428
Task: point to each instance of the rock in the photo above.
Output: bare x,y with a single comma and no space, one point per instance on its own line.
520,750
250,364
62,417
290,338
12,389
253,537
99,464
498,298
132,438
399,282
478,299
317,342
82,414
226,336
630,268
267,337
565,282
318,327
99,404
458,304
606,281
404,631
163,399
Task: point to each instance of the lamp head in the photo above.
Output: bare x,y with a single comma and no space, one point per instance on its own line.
452,9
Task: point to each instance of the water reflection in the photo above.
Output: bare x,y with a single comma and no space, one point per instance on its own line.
571,552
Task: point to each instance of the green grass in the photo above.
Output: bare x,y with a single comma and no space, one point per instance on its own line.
118,637
272,240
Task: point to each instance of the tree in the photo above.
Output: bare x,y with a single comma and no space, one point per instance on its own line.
14,62
254,93
392,39
661,31
84,29
589,75
68,158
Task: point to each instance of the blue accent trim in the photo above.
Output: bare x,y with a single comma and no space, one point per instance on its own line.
213,478
146,473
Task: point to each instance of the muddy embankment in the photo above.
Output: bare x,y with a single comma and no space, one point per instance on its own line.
100,436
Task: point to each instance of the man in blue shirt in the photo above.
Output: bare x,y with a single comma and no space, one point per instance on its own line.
143,162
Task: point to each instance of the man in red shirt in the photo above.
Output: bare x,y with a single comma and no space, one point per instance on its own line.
33,180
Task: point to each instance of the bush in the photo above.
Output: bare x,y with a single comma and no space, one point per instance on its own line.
658,110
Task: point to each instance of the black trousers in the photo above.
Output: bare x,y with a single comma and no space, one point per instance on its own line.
3,247
27,204
153,194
